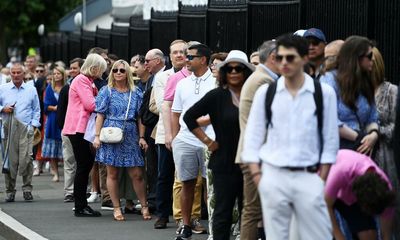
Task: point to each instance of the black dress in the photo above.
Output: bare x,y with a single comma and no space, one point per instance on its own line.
227,176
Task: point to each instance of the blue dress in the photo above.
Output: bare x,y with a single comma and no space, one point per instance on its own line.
113,105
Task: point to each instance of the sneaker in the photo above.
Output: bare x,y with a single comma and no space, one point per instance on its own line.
10,197
68,198
197,227
179,225
28,196
107,205
185,233
36,172
94,197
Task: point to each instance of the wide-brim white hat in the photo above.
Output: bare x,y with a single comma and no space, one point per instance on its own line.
236,56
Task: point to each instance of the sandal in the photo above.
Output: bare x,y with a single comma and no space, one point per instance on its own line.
145,212
118,214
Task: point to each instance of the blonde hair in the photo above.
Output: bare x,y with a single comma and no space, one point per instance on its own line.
63,73
378,68
93,61
129,77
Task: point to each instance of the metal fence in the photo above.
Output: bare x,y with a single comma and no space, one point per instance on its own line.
241,24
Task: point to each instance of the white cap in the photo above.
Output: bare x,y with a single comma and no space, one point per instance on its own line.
300,32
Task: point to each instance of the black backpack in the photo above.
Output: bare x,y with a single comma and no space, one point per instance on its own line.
148,118
318,103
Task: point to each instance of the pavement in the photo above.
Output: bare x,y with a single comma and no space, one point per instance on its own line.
48,217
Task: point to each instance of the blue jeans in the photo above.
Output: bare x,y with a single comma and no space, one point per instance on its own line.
165,181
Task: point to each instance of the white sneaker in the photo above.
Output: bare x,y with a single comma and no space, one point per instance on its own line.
94,197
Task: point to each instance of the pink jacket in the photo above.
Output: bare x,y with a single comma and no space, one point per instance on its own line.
81,103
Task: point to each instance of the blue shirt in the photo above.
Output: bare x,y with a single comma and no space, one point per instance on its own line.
366,112
27,107
270,72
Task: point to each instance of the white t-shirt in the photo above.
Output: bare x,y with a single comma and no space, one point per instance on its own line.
188,91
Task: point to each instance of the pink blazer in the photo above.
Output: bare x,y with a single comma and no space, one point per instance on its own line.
81,103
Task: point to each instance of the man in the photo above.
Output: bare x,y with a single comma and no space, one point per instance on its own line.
30,64
19,105
169,95
155,64
299,144
68,154
255,58
166,168
133,60
317,41
188,151
331,52
143,73
266,72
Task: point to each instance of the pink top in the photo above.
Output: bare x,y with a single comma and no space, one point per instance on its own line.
81,103
173,80
349,165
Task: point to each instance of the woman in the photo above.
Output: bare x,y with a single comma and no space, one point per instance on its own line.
357,113
222,106
28,77
358,189
385,99
215,59
52,144
81,103
111,108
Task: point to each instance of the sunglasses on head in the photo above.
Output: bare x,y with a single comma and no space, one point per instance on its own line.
121,70
289,58
368,55
238,69
40,71
191,57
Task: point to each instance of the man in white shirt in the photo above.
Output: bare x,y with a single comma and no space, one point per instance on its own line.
188,151
293,151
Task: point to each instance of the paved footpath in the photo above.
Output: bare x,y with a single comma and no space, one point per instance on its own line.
48,217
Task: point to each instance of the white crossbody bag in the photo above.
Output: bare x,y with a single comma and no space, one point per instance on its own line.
114,134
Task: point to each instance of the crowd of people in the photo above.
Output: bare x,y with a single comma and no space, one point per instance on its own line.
296,141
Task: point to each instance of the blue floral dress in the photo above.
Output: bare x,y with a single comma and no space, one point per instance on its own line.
113,105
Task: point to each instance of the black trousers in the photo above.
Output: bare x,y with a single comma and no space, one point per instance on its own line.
165,181
227,188
151,172
84,163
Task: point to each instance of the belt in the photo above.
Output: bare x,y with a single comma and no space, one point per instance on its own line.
310,169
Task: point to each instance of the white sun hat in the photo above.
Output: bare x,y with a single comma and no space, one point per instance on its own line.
236,56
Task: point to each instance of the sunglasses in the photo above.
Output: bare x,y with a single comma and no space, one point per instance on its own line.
313,41
368,55
238,69
121,70
16,73
28,78
289,58
39,71
191,57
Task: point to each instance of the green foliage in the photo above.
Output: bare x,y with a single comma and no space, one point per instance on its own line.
19,19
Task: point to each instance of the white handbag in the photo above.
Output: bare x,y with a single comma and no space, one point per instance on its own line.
114,134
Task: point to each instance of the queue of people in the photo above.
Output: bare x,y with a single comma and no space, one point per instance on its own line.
295,143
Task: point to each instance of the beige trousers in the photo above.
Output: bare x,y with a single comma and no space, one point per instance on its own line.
69,166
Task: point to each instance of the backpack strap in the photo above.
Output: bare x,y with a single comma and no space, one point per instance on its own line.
318,98
268,101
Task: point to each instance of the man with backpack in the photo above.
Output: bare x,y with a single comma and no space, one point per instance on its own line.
300,117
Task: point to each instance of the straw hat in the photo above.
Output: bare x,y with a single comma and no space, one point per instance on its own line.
37,137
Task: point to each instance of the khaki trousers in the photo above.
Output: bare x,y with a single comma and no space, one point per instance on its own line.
176,195
20,155
69,166
105,196
251,212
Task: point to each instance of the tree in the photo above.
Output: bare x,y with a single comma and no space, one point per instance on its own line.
19,20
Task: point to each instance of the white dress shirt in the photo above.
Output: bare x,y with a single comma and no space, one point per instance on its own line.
188,91
293,139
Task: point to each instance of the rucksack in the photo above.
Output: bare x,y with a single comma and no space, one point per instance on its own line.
318,103
148,118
